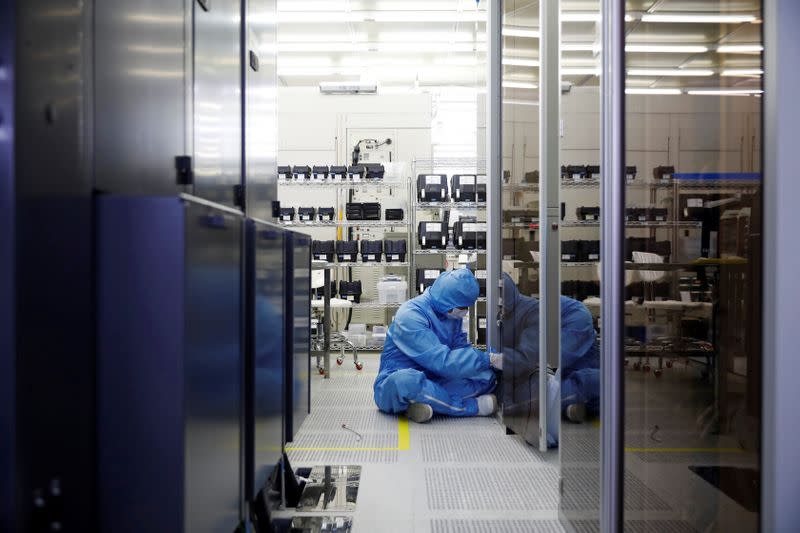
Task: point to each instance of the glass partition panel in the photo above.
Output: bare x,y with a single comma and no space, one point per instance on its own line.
693,242
520,197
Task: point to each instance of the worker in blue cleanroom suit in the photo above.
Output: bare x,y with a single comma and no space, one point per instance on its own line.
579,371
428,365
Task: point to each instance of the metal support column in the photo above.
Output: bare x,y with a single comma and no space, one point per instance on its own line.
494,171
549,245
612,93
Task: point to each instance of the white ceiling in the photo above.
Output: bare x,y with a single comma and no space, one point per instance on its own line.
405,44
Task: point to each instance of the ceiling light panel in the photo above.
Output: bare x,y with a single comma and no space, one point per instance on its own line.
652,90
666,48
670,72
740,49
327,17
509,31
725,92
699,18
743,72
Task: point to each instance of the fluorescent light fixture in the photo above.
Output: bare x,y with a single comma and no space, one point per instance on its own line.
740,48
327,16
322,46
699,18
666,48
348,87
744,72
343,37
519,85
651,90
519,62
508,31
725,92
580,71
429,36
576,16
521,102
670,72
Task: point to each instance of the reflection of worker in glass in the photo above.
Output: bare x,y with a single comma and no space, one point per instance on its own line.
428,365
580,362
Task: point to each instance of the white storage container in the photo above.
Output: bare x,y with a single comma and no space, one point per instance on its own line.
357,329
392,290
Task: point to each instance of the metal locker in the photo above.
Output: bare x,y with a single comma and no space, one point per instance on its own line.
298,364
169,364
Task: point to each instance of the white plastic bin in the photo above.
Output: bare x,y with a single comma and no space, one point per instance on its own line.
392,291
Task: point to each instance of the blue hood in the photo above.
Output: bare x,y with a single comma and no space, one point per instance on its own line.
457,288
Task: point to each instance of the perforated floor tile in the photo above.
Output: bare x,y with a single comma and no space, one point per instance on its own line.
361,419
581,491
477,448
638,526
495,489
495,526
342,448
342,398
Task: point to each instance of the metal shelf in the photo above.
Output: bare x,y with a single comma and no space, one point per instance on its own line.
329,184
645,224
635,184
454,251
370,264
451,205
375,305
347,223
718,184
520,187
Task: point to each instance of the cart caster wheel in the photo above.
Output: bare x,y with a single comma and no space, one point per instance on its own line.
359,365
658,372
637,366
669,364
339,361
321,371
646,368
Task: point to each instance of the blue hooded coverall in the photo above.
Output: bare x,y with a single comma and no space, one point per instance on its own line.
580,362
427,358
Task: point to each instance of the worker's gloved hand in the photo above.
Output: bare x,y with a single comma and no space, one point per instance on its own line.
496,360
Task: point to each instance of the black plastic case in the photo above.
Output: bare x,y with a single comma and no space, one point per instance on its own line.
432,188
432,235
301,172
395,250
287,214
347,251
426,277
469,235
350,290
323,250
371,251
326,214
306,214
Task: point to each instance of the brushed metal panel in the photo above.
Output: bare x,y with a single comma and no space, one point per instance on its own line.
140,95
265,357
7,258
298,367
261,108
217,101
54,307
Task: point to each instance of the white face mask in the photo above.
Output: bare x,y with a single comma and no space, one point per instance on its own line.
457,314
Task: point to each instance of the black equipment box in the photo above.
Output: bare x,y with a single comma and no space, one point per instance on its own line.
356,172
481,276
426,277
347,251
531,177
374,171
588,251
284,172
592,172
657,214
468,188
573,172
635,214
432,235
587,213
371,251
301,172
371,210
481,330
350,290
395,214
306,214
662,173
338,173
395,251
521,216
322,250
630,173
432,187
354,211
287,214
319,292
570,251
319,172
469,235
326,214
